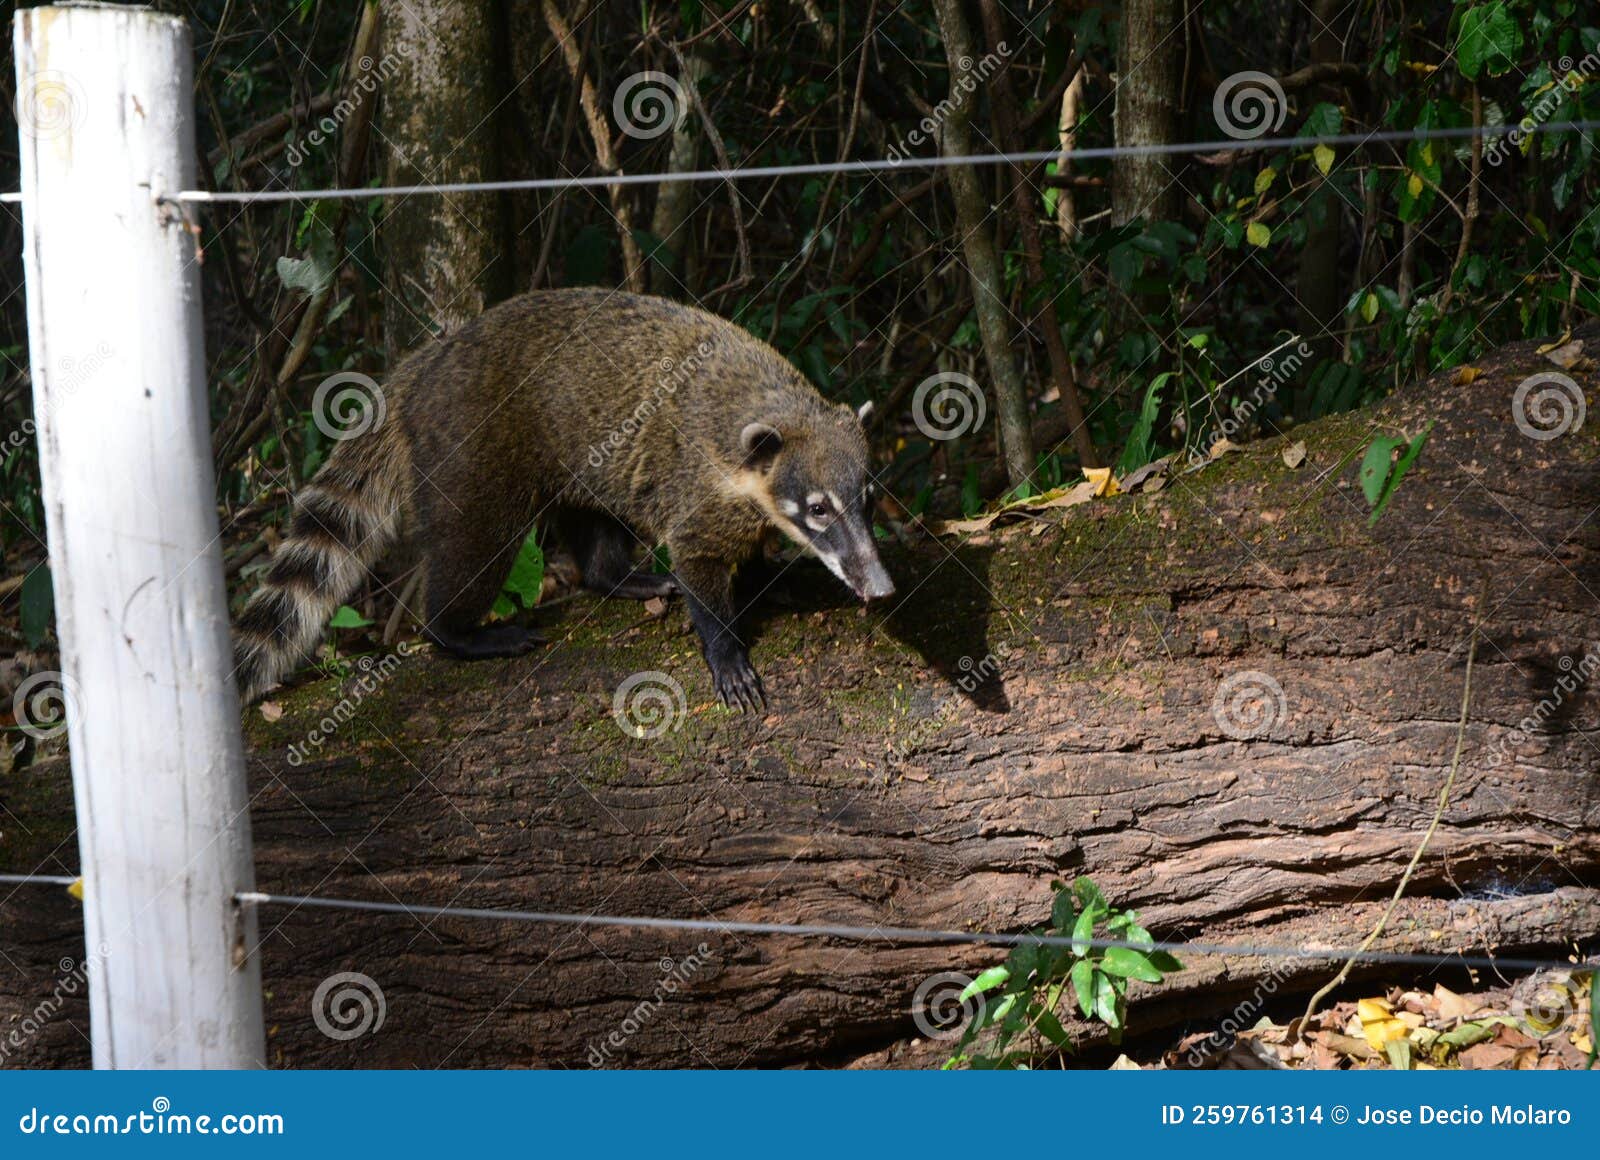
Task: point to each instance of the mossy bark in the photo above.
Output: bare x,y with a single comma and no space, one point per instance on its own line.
888,786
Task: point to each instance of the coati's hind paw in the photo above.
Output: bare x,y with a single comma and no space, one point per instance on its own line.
738,685
487,641
642,584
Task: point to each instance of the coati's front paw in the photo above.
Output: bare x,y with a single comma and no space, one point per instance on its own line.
738,685
487,642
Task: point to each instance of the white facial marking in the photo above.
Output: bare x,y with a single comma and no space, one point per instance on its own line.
789,507
832,561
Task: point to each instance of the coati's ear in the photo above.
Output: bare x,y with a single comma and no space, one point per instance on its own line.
864,410
849,414
760,443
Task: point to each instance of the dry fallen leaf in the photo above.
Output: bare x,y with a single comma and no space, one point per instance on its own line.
1453,1006
76,889
1150,477
1104,482
1464,375
656,606
1222,447
1294,454
271,710
1566,355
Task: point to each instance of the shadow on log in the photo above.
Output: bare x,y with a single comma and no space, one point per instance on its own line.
878,791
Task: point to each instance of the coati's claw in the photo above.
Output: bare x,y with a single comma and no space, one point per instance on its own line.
739,687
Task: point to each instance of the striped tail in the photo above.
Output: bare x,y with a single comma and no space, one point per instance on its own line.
344,520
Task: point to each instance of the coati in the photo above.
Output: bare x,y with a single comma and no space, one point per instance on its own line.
619,421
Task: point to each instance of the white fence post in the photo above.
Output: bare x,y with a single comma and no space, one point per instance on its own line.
119,388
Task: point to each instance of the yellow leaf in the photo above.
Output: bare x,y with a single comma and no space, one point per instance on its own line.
1264,179
1464,375
1369,307
1381,1031
1370,1010
1323,156
1104,482
1258,234
76,889
1414,184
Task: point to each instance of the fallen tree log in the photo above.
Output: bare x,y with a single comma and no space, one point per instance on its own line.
1051,698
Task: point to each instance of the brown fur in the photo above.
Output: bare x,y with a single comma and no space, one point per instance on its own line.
615,418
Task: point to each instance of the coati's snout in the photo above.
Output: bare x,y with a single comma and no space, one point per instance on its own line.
813,484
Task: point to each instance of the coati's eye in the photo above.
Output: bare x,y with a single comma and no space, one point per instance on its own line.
818,511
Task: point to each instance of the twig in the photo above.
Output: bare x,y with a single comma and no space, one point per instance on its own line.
1405,879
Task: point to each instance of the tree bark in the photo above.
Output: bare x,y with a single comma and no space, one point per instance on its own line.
977,241
888,786
1024,208
444,255
1149,80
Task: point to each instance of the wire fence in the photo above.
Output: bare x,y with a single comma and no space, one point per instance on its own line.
858,933
886,164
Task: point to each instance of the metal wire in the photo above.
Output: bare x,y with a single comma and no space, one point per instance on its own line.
880,164
895,933
902,934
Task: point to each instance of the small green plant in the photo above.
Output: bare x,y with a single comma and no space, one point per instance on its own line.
1018,1025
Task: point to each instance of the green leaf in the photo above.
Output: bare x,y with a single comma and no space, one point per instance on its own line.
526,581
986,981
1106,1006
1400,468
1488,41
347,617
1325,119
1083,931
38,605
1083,985
1140,448
1376,465
1129,964
1258,234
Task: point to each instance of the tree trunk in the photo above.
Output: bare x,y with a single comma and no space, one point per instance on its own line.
977,240
1149,78
1318,293
890,786
443,254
